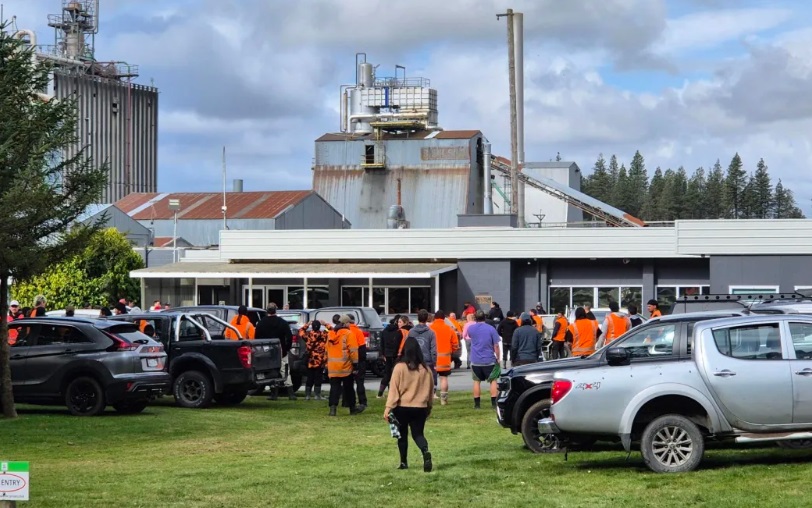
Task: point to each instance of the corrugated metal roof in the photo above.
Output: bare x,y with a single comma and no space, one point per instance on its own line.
207,205
424,134
295,270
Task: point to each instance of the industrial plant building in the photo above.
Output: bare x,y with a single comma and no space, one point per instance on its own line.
117,118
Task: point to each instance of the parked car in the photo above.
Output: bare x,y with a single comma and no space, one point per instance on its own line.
204,365
743,380
85,364
525,392
369,322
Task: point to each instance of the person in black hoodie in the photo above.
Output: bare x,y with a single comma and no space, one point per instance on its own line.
274,327
495,314
391,337
505,330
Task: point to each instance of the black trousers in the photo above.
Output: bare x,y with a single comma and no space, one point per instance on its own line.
387,373
506,352
411,418
314,377
362,374
341,387
558,350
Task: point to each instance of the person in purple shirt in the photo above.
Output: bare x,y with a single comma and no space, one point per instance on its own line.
484,356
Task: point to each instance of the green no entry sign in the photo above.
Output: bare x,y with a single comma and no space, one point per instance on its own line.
13,481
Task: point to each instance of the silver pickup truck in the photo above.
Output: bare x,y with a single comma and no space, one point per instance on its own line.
743,379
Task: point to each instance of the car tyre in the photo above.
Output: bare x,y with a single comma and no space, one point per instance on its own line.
84,397
193,389
672,444
535,440
231,397
796,444
131,407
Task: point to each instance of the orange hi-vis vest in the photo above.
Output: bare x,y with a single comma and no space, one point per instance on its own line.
245,327
539,322
447,343
655,314
342,353
616,326
584,334
359,335
562,329
404,333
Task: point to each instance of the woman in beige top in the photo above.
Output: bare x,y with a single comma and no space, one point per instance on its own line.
411,391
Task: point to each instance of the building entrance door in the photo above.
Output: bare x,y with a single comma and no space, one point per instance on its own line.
276,295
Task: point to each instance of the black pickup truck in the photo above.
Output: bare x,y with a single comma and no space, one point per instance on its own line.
203,364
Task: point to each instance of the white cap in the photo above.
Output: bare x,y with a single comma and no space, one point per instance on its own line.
14,303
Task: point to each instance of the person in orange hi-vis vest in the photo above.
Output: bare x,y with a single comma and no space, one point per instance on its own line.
584,333
537,321
342,363
615,325
360,376
558,347
241,323
447,344
654,309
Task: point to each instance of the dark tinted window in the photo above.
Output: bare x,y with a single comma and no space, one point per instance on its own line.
215,328
801,340
25,334
59,334
189,331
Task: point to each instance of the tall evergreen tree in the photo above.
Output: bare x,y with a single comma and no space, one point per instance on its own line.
762,192
735,182
651,211
614,171
599,185
638,184
748,199
622,195
695,196
784,203
713,204
667,201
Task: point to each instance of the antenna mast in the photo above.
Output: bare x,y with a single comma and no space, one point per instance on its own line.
225,208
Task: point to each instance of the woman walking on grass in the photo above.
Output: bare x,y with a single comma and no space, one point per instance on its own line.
411,391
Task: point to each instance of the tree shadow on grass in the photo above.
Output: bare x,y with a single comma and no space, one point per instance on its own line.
771,457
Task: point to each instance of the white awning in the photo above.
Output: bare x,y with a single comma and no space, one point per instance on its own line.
187,270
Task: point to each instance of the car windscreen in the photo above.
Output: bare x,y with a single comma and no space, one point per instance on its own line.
372,318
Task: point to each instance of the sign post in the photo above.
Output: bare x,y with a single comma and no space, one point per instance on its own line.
13,483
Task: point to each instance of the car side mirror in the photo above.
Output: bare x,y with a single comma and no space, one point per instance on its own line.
617,356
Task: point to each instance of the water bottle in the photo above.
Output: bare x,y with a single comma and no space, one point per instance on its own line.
394,426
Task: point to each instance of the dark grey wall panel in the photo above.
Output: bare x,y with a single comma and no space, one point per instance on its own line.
682,271
600,271
484,278
785,271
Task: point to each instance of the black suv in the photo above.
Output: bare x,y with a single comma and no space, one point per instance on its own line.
85,364
524,392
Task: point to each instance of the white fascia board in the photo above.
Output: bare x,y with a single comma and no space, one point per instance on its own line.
283,275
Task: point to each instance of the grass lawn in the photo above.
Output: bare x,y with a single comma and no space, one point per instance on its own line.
285,453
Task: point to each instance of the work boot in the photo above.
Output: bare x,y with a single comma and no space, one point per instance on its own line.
427,464
443,398
476,403
308,391
274,394
333,410
291,393
403,465
318,393
357,410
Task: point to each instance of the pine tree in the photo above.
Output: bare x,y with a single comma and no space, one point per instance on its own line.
614,172
622,195
41,194
784,205
762,192
748,199
735,182
695,196
713,204
638,184
651,211
666,203
598,184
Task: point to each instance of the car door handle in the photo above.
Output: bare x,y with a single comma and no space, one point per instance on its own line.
805,372
17,357
724,373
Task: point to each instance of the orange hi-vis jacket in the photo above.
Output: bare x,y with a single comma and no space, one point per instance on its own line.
584,335
359,335
244,326
447,343
404,333
616,326
655,314
563,324
342,353
539,323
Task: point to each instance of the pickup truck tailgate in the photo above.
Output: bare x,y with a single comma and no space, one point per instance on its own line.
267,359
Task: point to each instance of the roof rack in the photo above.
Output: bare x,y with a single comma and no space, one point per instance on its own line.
722,301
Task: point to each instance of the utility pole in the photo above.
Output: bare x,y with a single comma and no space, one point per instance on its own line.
225,208
514,144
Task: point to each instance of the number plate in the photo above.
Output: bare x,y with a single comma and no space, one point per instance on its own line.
260,375
152,362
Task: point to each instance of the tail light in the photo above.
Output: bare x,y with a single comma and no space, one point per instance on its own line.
561,387
366,333
244,352
120,344
152,349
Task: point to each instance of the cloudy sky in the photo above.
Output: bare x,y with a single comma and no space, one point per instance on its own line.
684,81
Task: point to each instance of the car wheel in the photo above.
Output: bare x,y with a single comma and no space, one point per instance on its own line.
295,381
672,444
131,407
533,438
378,367
796,444
84,397
193,389
231,397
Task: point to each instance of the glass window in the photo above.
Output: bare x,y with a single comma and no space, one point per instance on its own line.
606,295
316,296
352,296
758,342
666,297
398,301
690,291
650,341
23,336
631,295
378,300
583,296
801,340
50,335
189,331
421,299
559,299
